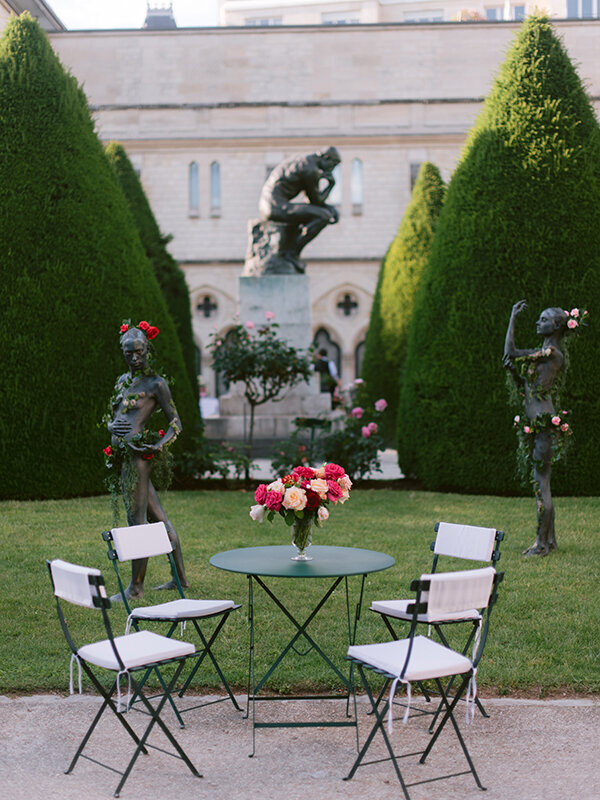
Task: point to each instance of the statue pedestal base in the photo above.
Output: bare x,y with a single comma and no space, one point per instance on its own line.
272,249
288,297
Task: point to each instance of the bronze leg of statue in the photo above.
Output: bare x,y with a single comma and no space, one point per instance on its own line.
542,472
156,513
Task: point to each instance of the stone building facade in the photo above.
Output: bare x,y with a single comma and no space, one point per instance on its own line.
204,114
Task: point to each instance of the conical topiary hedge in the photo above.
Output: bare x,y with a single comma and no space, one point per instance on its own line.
521,220
72,267
393,303
168,274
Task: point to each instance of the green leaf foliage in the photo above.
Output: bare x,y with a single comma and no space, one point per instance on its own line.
521,219
72,267
168,274
393,303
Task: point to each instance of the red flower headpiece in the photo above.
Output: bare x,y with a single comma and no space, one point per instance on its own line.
150,331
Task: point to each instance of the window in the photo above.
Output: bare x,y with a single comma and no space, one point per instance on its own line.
347,305
215,189
358,358
193,191
436,15
498,13
340,18
356,186
207,306
414,174
262,22
335,196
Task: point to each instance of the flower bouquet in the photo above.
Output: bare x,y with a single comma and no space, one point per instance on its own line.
302,499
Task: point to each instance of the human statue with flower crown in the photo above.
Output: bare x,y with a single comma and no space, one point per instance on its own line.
135,452
543,431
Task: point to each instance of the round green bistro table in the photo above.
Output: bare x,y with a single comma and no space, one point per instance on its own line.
333,564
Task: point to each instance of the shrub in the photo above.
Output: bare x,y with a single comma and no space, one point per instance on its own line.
393,303
72,268
520,220
168,274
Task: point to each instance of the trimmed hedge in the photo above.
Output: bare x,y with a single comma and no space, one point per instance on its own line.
168,274
521,220
72,267
393,303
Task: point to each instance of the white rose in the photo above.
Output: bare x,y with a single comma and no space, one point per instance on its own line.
276,486
257,513
323,513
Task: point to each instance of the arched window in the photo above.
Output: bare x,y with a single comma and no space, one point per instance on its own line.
221,383
358,358
215,189
193,190
335,196
322,341
356,186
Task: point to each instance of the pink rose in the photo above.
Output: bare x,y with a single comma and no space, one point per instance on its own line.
273,501
335,491
381,405
574,312
572,324
260,494
269,315
365,431
303,472
564,427
357,412
332,472
555,420
526,429
250,324
372,426
323,514
517,418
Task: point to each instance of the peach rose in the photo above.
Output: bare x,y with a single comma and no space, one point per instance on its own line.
345,482
294,498
319,486
320,472
322,514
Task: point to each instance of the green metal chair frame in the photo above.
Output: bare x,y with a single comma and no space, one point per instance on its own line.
410,648
148,651
171,613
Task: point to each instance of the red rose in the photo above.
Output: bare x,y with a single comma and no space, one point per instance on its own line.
143,326
334,491
161,433
303,472
333,472
260,495
107,451
273,500
149,457
152,332
288,479
124,328
312,499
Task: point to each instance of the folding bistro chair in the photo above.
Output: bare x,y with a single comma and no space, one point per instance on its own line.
419,658
146,541
465,542
123,655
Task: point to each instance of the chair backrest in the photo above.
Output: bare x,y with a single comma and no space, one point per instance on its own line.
141,541
466,541
457,591
82,586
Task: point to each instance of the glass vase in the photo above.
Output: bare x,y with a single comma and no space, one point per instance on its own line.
302,537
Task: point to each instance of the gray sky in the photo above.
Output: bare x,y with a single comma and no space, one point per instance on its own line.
93,14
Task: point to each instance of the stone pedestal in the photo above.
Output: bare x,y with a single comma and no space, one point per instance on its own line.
288,297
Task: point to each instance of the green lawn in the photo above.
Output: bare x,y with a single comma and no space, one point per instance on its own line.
545,628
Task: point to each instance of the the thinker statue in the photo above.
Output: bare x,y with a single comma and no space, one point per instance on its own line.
134,451
542,430
286,227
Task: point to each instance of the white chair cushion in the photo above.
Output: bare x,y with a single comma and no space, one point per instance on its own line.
136,650
397,609
456,591
141,541
465,541
182,609
428,659
71,583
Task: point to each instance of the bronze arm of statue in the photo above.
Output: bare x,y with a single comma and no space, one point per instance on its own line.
540,368
139,393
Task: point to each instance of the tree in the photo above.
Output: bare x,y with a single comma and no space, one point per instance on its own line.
265,364
72,267
393,303
520,220
168,274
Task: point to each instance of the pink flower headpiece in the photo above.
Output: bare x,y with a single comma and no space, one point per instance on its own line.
575,319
